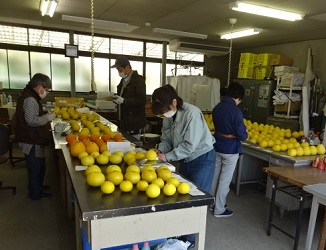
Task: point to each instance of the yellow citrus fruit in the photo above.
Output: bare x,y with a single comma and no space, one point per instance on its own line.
131,161
313,150
165,174
115,177
173,180
159,182
148,176
290,145
95,179
77,148
107,187
82,154
112,168
91,147
320,149
87,160
127,156
95,154
148,167
305,144
115,159
306,151
276,148
139,155
270,143
132,176
108,153
300,151
183,188
169,189
119,153
92,168
283,147
126,186
153,190
263,144
102,159
292,152
161,168
134,168
151,155
142,185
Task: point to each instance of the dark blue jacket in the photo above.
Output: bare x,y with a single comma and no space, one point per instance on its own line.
228,120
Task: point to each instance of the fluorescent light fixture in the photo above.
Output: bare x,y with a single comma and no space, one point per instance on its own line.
102,24
241,33
47,7
179,33
265,11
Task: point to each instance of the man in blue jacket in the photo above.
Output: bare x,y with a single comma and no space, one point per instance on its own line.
229,132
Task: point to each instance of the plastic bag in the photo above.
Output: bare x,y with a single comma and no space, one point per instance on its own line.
172,244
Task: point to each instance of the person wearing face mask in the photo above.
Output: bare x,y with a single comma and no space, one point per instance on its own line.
185,138
131,97
32,126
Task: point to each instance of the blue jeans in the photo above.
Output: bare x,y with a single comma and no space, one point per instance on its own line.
36,172
199,171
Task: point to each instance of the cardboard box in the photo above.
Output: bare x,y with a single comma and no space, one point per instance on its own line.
294,78
280,60
280,70
294,106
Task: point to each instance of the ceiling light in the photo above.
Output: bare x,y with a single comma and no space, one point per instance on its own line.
179,33
241,33
102,24
47,7
265,11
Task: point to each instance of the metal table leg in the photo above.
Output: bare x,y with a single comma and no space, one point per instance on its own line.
271,209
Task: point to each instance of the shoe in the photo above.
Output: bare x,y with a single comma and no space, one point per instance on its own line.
46,196
212,207
227,213
189,244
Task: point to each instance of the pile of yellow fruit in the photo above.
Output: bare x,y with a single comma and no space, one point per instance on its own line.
148,179
281,140
209,121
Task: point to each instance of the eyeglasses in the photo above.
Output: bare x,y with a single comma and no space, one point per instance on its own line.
46,89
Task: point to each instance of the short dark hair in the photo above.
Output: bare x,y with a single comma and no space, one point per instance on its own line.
40,79
235,90
163,97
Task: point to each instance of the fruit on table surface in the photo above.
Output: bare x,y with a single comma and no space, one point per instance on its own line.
132,176
148,175
77,148
169,189
153,191
142,185
115,177
102,159
87,160
126,186
95,179
92,168
159,182
183,188
107,187
151,155
115,159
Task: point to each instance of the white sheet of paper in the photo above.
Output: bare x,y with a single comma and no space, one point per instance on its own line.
119,146
80,168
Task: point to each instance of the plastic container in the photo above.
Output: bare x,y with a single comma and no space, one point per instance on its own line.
146,246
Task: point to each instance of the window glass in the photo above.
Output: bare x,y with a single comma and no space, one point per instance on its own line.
154,50
115,78
60,72
84,42
190,56
83,74
101,74
169,54
13,35
126,47
40,63
18,69
170,69
45,38
153,77
4,69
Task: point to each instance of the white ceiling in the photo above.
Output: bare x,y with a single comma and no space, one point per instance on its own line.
208,17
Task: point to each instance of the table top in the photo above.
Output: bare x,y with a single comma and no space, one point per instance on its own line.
269,153
299,176
94,204
318,190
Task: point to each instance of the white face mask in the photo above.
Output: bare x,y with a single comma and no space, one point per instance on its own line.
43,95
122,75
170,113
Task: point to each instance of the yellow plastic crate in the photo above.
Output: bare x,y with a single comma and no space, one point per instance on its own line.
247,59
245,72
263,59
261,72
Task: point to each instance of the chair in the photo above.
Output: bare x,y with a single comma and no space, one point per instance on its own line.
4,150
12,140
